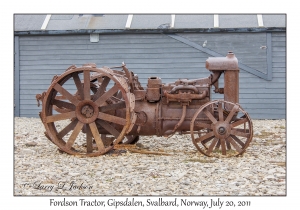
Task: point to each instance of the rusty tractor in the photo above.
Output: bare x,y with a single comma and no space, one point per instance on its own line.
88,110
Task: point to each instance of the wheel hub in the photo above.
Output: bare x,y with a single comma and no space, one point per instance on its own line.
221,130
87,111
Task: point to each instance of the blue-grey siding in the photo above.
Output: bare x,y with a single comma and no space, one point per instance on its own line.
41,57
16,77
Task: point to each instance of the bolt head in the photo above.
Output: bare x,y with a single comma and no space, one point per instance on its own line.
222,130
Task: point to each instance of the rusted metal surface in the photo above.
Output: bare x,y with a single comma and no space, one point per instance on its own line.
222,129
153,90
109,107
228,65
184,97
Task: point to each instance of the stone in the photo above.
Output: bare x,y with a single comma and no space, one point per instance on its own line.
269,182
159,188
280,176
118,175
257,133
26,164
74,174
140,145
139,181
269,177
256,181
272,171
141,167
108,172
99,173
31,144
280,193
271,192
28,151
277,142
128,175
281,170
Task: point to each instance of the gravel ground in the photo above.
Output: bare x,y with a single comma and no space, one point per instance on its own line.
41,169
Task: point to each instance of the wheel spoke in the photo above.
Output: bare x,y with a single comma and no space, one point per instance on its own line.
210,116
202,125
232,112
234,144
110,107
107,95
223,146
65,93
220,110
239,133
103,136
228,144
74,134
211,147
67,129
97,137
207,140
102,88
62,116
218,144
60,98
206,136
111,118
238,140
239,122
87,85
109,128
243,130
63,104
89,140
78,85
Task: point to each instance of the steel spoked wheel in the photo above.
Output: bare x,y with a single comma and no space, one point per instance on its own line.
226,130
89,112
203,132
96,81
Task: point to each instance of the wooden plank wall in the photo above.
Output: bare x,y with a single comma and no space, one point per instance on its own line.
41,57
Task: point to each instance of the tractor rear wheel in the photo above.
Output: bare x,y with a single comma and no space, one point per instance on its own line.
87,114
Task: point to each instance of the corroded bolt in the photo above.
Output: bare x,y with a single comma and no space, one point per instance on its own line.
87,110
222,130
